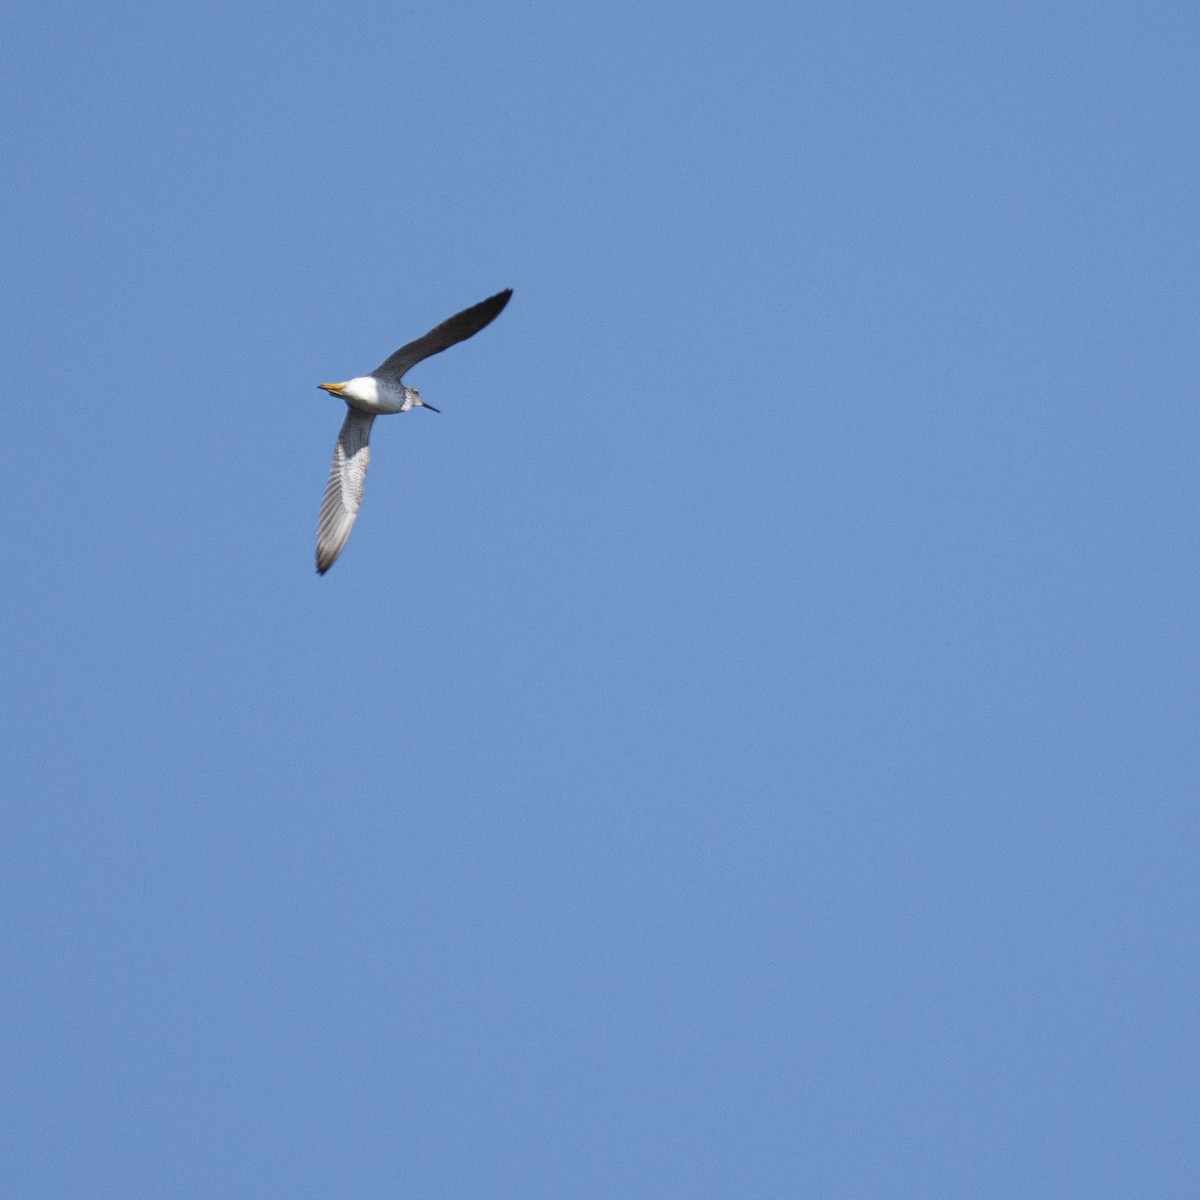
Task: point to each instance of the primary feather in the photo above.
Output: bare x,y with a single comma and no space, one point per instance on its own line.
344,491
457,329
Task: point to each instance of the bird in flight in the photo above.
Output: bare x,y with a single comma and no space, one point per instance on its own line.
366,397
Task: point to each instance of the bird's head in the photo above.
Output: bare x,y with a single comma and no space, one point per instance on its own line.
415,401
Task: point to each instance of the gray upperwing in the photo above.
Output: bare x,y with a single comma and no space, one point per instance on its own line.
344,491
457,329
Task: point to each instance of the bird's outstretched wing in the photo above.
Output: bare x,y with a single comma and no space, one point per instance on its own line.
344,491
457,329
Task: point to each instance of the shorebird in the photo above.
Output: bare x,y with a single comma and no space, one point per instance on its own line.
366,397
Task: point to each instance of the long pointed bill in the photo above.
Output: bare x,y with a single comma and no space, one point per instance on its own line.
334,389
426,404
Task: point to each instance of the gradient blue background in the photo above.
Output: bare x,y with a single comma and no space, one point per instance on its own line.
747,748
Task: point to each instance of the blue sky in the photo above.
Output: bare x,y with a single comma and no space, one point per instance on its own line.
747,748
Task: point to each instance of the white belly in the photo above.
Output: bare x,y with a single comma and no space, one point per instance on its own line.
377,395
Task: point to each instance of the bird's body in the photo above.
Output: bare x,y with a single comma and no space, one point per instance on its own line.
369,396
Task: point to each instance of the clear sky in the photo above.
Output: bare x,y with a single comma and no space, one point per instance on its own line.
747,748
